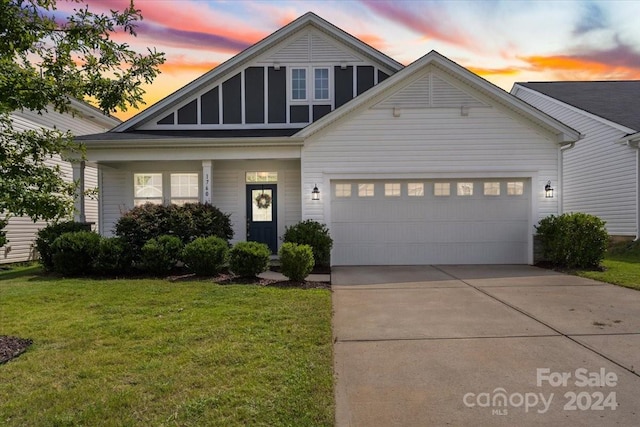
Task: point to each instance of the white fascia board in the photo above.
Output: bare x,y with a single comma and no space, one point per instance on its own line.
89,112
253,51
517,88
632,140
194,142
562,133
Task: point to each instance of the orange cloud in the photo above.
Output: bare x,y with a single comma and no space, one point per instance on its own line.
576,68
181,66
374,41
507,71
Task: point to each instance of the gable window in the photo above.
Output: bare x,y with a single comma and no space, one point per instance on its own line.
184,188
515,188
491,188
252,177
415,189
465,189
343,190
365,190
441,189
321,83
147,188
392,189
299,84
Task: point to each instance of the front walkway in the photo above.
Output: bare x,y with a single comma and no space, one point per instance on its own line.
483,345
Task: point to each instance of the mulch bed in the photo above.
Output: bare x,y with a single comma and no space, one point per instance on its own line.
230,279
12,347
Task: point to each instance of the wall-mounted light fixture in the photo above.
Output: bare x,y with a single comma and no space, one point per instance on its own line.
464,110
315,193
548,190
396,111
276,66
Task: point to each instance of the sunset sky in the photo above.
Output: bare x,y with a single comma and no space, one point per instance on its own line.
504,41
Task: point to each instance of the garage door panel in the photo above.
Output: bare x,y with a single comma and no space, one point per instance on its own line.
430,229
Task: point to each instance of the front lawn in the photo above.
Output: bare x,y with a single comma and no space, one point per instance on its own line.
621,267
153,353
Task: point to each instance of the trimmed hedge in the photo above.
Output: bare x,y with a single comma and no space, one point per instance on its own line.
161,255
49,234
74,253
573,240
187,222
296,261
113,257
206,256
314,234
248,259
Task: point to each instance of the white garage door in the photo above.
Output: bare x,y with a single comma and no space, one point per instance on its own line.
408,222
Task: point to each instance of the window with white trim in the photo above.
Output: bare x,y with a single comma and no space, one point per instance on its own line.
147,188
298,84
465,189
320,84
343,190
392,189
441,189
184,188
515,188
365,190
491,188
415,189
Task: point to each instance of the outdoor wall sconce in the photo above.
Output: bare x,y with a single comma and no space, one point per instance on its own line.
464,110
315,193
548,190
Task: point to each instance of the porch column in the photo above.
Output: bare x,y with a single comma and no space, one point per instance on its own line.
78,202
206,181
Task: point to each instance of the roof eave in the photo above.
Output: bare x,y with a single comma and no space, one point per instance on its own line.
193,143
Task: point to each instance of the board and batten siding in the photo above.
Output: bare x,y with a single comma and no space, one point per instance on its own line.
429,143
599,174
21,231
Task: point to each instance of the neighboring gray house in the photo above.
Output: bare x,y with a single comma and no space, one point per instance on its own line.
424,164
599,173
21,231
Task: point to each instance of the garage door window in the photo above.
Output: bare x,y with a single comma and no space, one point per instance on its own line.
491,188
465,189
392,189
415,189
343,190
365,190
441,189
515,188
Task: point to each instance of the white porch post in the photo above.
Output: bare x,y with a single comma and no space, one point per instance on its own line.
206,181
78,202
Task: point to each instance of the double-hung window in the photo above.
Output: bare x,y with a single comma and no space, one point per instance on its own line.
178,188
184,188
321,84
147,188
299,84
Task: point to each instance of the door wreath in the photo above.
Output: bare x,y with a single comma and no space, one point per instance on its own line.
263,201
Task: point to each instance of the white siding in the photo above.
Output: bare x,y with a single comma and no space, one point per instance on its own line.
21,231
116,197
599,175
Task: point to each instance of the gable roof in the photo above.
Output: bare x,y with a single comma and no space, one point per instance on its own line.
253,51
616,101
562,132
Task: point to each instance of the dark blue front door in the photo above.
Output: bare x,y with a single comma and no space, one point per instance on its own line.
262,224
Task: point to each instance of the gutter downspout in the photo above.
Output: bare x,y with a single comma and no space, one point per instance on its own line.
633,143
561,175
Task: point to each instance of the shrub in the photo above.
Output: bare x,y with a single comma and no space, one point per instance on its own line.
574,240
49,234
314,234
248,259
74,253
113,256
186,222
296,261
206,256
3,232
161,255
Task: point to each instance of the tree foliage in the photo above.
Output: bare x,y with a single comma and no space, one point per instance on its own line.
46,60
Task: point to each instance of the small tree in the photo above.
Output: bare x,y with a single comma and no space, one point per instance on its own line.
47,60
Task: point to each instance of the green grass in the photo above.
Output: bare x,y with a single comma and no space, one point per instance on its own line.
621,267
157,353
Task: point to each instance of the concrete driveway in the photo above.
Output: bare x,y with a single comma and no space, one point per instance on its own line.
483,345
